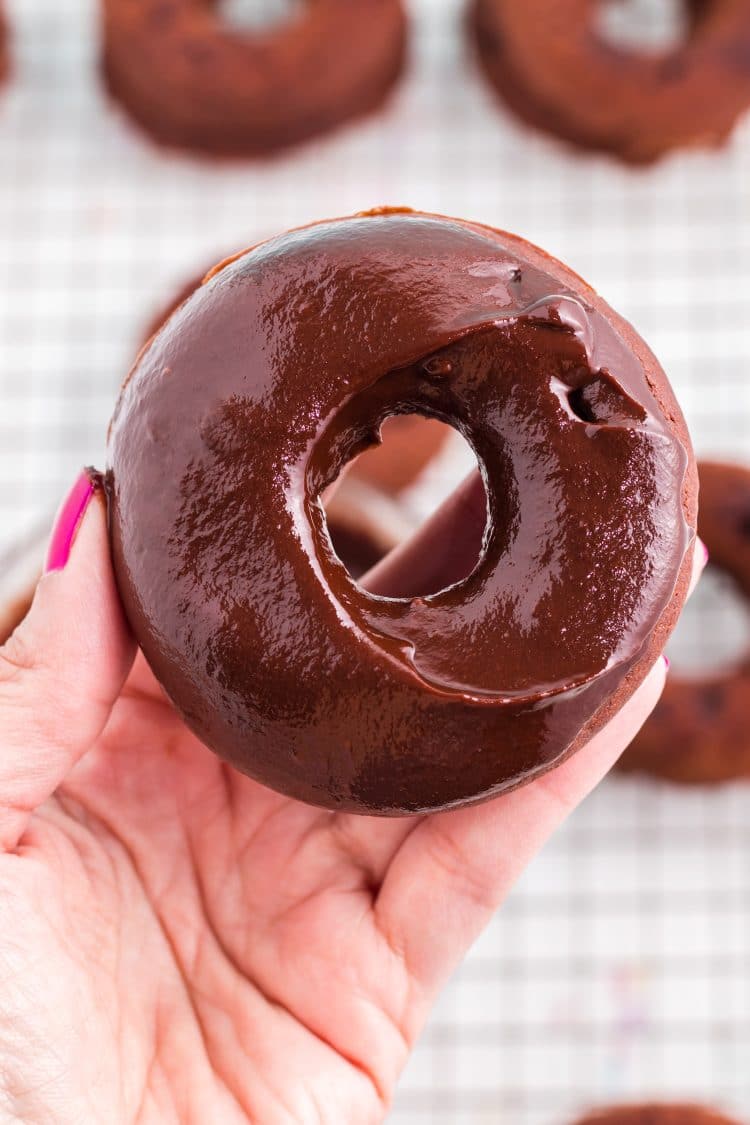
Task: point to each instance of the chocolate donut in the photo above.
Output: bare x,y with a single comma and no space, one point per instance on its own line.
554,70
700,731
243,409
656,1114
193,81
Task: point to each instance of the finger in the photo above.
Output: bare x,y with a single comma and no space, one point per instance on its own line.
443,551
64,666
455,868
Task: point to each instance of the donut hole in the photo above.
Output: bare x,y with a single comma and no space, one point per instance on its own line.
713,633
602,402
387,494
581,406
254,15
644,26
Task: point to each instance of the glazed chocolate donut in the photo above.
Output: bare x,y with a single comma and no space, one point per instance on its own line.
546,59
656,1115
193,81
700,730
281,368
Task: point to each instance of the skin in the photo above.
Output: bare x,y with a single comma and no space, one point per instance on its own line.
179,944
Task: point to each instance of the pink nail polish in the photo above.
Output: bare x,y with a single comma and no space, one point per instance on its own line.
667,664
706,555
67,522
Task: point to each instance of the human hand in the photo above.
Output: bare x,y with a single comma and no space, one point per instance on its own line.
179,944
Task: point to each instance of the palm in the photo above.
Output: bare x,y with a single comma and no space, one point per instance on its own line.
179,944
211,946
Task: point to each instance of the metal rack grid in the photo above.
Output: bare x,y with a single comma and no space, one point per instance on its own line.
620,967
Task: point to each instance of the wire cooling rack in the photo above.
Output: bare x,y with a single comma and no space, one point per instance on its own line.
620,967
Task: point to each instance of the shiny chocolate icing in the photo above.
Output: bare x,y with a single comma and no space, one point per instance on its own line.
247,404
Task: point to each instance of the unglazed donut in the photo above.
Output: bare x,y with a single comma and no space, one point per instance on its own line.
546,59
656,1115
243,409
193,81
700,731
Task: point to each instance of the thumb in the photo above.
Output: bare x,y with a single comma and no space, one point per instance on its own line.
62,669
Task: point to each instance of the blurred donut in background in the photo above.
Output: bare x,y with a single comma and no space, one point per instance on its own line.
656,1115
410,442
552,65
699,733
193,80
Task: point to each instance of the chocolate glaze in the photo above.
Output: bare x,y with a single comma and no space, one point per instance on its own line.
412,442
194,81
549,63
656,1115
699,733
245,407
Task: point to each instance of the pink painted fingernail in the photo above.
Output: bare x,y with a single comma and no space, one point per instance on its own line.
666,662
706,555
67,522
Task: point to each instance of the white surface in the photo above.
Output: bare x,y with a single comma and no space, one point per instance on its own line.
621,965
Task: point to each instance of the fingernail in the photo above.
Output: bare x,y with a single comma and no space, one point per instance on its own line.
706,555
67,522
666,662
